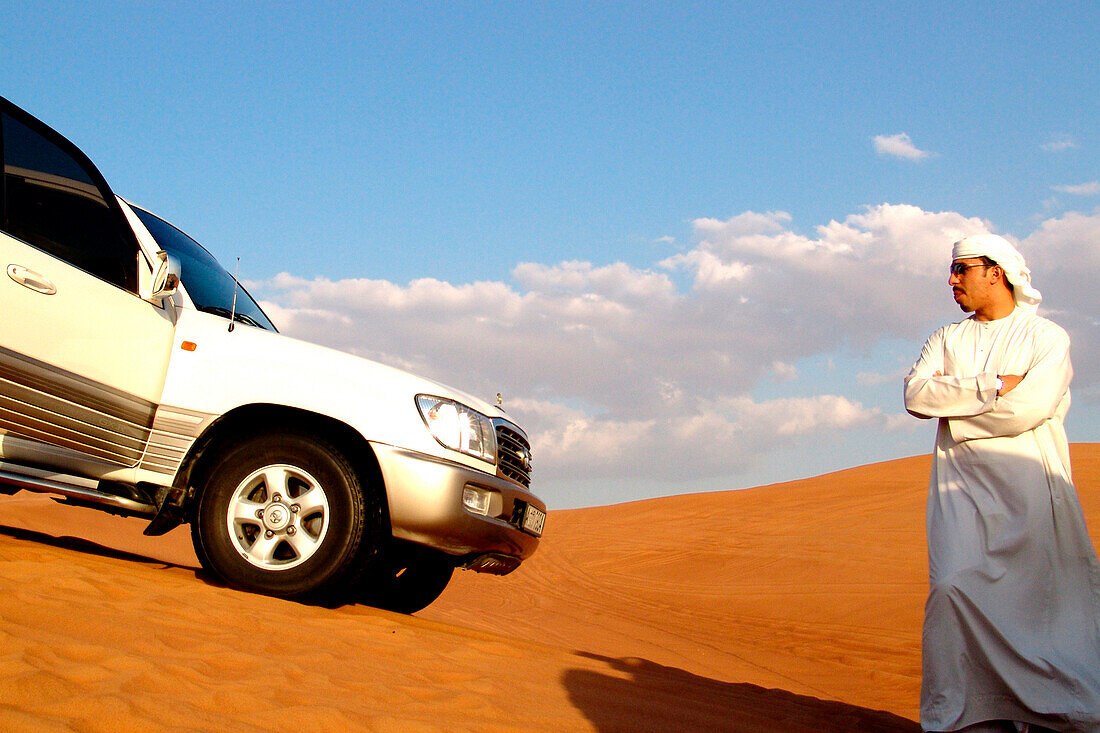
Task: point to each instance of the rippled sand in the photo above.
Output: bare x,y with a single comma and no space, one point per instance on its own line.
792,607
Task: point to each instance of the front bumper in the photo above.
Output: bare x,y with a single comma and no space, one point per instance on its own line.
425,504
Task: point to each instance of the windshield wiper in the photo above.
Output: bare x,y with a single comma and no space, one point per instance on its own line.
226,313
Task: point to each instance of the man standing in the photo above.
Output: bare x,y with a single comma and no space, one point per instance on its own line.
1012,623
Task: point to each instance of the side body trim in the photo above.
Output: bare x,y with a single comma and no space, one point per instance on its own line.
46,404
175,429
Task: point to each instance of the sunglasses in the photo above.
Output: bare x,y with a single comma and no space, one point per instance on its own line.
958,268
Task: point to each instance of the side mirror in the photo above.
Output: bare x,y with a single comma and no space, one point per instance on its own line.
167,277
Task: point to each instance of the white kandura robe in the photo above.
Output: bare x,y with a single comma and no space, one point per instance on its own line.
1012,621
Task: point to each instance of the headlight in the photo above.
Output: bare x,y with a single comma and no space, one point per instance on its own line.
459,427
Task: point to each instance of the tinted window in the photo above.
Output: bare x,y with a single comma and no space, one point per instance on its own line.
209,285
52,200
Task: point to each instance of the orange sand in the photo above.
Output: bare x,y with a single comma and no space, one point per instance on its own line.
792,607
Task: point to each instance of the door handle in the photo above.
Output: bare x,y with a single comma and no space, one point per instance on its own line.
31,279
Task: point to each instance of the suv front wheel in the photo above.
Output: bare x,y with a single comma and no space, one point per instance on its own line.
286,515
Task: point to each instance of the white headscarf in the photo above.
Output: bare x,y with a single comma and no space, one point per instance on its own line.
1011,261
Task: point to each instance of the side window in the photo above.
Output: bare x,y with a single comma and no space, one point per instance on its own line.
52,201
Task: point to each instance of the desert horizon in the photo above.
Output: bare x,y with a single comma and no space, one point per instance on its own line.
787,607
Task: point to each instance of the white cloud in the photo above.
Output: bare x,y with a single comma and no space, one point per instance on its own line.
1059,145
872,274
899,146
617,281
784,372
1064,257
749,222
1092,188
619,375
708,438
898,422
804,415
872,379
710,271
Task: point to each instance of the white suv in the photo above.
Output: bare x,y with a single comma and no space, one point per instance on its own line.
138,377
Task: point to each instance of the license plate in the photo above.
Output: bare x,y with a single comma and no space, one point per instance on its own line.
533,520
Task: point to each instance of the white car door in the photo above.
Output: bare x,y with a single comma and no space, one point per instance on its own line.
82,357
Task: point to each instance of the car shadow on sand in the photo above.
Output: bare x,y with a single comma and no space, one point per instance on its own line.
77,544
640,695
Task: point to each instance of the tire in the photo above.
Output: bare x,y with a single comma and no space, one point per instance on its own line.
410,579
286,515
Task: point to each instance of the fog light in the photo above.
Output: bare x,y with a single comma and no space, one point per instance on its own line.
476,500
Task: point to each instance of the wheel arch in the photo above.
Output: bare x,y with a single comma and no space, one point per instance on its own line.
248,421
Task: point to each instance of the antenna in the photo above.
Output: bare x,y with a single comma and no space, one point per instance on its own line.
233,309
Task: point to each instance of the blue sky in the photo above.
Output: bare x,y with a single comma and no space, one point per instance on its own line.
655,227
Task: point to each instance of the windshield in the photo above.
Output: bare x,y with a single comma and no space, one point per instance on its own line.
207,282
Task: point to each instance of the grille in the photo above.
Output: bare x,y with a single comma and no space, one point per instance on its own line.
515,455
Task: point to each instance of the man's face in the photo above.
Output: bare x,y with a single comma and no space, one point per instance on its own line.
971,287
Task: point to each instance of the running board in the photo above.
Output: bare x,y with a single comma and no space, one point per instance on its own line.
43,485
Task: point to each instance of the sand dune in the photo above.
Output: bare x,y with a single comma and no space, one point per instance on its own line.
793,607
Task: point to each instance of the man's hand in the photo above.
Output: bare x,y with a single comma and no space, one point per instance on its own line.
1009,382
